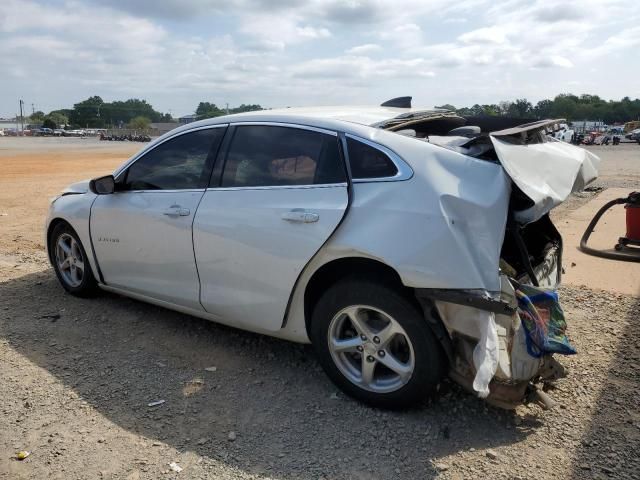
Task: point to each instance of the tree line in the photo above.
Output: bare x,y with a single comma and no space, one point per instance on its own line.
133,113
209,110
566,105
96,113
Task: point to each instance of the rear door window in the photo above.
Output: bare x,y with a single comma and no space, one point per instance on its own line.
265,155
181,163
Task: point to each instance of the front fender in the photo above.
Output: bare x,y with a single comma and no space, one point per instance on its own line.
75,209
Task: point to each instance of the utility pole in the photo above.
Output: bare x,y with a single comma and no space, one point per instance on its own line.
33,109
227,108
21,117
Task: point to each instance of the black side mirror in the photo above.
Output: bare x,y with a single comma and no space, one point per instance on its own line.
103,185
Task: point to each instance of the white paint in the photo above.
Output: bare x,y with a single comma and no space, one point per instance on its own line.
546,172
249,257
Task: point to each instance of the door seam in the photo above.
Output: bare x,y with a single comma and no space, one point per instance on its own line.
193,249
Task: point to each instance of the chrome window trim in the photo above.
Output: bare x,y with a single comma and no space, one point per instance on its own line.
287,187
280,187
186,190
405,172
143,152
288,125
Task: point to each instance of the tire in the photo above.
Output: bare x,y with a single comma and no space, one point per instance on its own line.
413,348
71,265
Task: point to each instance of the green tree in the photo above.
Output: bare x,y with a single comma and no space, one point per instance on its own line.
87,113
122,112
245,108
58,119
48,123
37,117
520,108
94,112
140,123
566,105
208,110
543,109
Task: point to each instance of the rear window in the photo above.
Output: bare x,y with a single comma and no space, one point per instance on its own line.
369,162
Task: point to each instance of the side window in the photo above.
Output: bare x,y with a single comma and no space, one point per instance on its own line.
369,162
177,164
262,155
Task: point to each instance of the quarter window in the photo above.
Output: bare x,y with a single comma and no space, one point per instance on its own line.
369,162
181,163
262,155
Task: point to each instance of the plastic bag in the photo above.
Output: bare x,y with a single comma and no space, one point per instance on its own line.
543,321
485,355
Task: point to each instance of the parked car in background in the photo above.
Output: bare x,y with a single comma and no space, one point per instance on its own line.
633,135
43,132
393,239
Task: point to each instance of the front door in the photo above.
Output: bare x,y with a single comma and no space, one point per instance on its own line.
142,233
282,193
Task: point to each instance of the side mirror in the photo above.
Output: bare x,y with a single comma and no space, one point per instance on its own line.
103,185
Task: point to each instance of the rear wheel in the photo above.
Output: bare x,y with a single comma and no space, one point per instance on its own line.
375,344
70,261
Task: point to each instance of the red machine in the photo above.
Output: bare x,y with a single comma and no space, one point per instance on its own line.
626,248
633,225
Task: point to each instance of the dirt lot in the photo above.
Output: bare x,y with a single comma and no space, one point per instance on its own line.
77,376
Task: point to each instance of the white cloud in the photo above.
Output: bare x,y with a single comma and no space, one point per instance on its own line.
366,49
552,61
352,67
176,53
313,33
484,35
620,41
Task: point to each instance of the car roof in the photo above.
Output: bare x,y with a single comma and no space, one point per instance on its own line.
363,115
328,117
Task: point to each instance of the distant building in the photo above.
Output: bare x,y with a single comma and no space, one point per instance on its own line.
187,119
9,124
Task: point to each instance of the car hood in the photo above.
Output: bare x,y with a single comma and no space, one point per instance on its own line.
77,188
546,170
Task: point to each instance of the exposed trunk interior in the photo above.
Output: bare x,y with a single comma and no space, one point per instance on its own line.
531,254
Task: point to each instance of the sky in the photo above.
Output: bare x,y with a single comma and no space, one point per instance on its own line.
278,53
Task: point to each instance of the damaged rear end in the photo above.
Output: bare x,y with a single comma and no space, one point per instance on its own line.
501,342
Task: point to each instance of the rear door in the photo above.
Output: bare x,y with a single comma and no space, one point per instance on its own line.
282,193
142,233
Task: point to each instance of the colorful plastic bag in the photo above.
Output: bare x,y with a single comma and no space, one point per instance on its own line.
543,321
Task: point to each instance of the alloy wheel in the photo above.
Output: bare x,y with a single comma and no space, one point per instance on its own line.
371,349
69,260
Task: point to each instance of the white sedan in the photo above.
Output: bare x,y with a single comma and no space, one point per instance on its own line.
391,238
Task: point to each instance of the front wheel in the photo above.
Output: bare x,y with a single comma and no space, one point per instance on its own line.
375,344
70,261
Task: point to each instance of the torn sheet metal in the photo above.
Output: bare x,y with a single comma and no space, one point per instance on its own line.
546,172
529,128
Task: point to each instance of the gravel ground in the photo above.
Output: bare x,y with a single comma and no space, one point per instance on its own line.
78,377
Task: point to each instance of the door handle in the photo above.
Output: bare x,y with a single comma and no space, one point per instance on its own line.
176,211
300,215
